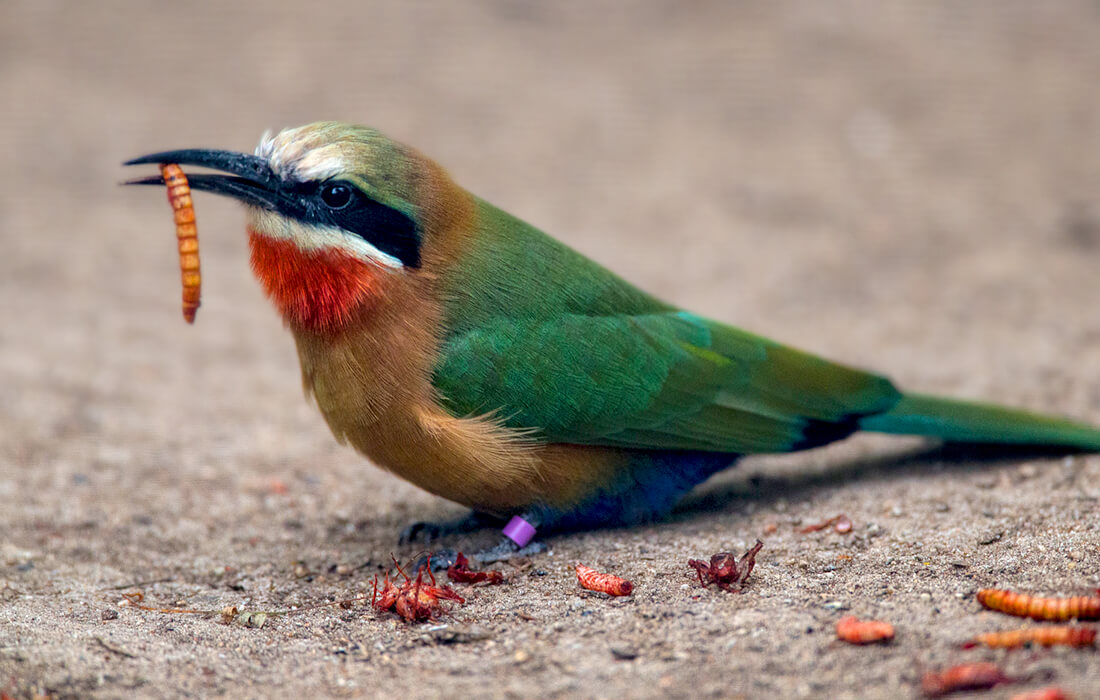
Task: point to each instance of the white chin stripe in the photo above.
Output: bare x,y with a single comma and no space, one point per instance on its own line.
311,237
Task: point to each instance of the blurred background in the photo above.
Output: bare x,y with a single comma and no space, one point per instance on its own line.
906,185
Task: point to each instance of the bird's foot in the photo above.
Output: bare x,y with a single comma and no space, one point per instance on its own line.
517,540
438,560
507,549
424,531
515,543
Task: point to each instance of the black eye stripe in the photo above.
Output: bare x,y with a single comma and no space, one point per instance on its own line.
387,229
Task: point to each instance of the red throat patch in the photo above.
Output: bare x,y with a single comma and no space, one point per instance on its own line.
314,290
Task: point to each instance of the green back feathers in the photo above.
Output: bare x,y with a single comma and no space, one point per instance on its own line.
551,341
513,271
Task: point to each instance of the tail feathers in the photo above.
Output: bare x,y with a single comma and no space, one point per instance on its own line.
962,421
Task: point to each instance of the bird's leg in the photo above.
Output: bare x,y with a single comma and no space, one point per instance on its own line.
438,560
516,541
507,549
427,531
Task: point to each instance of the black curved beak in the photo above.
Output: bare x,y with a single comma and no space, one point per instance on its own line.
250,179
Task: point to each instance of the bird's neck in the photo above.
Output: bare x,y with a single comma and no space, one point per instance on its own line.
317,290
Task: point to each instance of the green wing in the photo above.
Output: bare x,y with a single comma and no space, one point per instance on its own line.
664,380
551,341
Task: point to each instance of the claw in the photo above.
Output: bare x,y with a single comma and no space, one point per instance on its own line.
426,531
440,560
420,530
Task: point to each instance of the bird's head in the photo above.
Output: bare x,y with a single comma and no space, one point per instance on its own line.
336,212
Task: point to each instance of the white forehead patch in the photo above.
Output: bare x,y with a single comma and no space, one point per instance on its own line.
311,237
293,157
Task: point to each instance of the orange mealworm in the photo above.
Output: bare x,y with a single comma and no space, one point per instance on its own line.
976,676
179,196
603,583
1038,608
1042,636
1049,693
855,631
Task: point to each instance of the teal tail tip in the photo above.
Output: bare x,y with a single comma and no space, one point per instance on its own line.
953,420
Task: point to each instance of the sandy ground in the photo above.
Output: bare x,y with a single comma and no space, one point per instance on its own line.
907,186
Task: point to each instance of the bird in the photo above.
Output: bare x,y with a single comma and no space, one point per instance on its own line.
473,355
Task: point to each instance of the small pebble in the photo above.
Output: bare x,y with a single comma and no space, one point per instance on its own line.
624,652
991,537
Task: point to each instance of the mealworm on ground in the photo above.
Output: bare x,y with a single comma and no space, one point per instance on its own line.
1039,608
855,631
974,676
1063,635
1050,693
603,583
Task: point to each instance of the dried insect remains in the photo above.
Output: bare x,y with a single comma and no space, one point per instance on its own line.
841,523
725,571
460,572
414,600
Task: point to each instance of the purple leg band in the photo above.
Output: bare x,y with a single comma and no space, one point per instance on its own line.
519,531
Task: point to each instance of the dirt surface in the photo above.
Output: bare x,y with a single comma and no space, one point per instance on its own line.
906,186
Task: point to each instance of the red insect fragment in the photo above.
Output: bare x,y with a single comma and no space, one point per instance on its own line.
603,583
841,523
977,676
855,631
725,571
416,601
459,572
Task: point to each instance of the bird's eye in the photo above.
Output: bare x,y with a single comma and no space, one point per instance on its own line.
336,195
